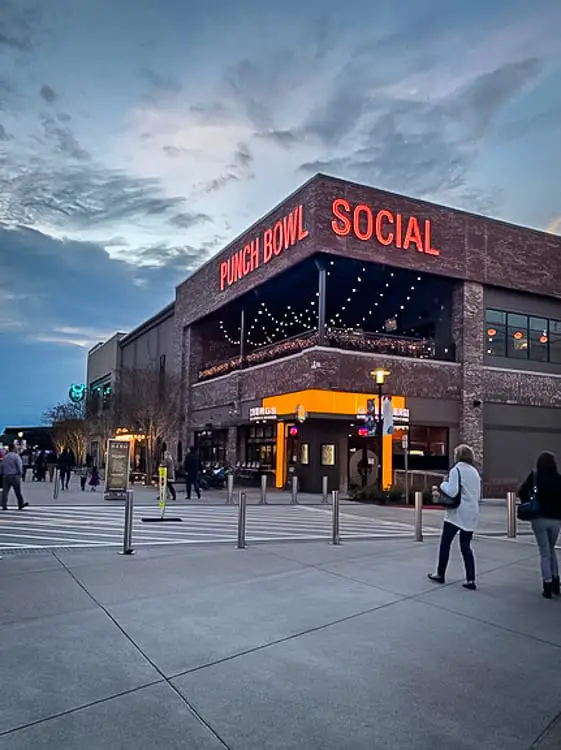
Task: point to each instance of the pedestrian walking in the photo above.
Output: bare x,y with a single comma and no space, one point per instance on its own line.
65,465
169,463
193,467
51,464
94,479
12,471
463,489
26,457
541,491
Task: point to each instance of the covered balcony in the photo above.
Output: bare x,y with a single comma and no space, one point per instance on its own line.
338,303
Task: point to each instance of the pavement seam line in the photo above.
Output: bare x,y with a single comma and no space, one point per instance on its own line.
79,708
493,625
135,645
543,735
402,598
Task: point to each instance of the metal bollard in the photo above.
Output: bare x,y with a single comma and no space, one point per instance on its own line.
263,500
324,499
335,535
511,515
419,516
127,534
56,484
230,489
294,491
241,520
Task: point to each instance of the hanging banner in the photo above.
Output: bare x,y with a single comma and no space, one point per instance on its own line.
387,416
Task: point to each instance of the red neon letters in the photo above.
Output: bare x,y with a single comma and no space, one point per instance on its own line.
383,226
283,235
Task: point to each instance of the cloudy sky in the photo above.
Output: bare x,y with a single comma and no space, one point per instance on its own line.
138,136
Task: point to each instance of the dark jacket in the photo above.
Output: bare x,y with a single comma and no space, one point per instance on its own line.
192,465
549,493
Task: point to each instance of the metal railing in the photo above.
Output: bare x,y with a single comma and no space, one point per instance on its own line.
357,340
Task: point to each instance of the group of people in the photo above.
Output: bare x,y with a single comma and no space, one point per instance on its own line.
192,468
542,486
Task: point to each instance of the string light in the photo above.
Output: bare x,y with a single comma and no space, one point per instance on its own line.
268,328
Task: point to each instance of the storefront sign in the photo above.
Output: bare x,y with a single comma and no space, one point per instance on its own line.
262,249
385,227
263,414
118,466
400,416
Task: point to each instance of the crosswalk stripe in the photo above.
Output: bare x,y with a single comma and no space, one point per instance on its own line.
94,526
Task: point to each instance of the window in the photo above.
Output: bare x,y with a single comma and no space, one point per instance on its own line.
495,333
539,339
517,336
555,341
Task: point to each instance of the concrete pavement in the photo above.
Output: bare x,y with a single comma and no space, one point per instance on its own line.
287,646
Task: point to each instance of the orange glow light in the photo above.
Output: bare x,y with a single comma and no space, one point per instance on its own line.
543,339
491,332
518,335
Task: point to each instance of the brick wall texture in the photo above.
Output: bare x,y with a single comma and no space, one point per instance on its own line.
475,251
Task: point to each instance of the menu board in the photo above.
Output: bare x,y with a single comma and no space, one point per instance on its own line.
118,466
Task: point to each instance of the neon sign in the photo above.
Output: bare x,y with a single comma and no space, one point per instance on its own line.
283,235
385,227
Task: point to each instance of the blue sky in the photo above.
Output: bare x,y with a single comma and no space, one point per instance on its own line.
139,136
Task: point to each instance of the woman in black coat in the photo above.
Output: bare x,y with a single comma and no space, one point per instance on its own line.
546,528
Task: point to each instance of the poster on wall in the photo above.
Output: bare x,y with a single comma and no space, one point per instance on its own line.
328,454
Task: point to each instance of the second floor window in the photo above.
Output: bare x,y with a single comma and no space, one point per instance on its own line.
526,337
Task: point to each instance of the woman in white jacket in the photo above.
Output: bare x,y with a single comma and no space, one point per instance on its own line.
465,477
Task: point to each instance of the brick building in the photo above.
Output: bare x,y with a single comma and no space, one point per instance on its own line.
276,338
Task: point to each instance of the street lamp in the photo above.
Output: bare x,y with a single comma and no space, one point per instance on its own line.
380,375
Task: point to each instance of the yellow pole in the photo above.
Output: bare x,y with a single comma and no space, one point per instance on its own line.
387,462
280,468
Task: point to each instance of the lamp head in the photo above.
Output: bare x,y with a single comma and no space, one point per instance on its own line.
380,375
20,435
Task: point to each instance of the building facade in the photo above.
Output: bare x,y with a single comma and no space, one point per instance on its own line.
275,340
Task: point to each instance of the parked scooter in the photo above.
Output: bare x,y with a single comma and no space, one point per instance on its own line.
213,478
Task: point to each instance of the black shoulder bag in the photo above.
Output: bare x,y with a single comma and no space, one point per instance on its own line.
452,502
530,509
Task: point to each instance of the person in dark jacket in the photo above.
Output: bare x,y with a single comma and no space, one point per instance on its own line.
192,468
65,464
547,481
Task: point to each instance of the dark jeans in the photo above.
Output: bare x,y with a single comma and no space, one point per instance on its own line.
64,477
192,482
449,531
171,490
11,482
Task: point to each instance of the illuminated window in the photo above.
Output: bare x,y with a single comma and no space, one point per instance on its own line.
517,336
539,339
495,333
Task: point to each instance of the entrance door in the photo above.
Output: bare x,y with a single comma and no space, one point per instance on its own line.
363,462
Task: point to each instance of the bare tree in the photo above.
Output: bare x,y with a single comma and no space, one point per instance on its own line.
68,427
100,418
146,401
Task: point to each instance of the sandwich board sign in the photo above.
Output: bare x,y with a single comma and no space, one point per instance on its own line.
117,469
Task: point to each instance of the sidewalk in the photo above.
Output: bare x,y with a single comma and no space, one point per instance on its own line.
294,646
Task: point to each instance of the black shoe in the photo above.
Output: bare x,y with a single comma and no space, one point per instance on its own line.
24,505
470,586
435,579
547,589
4,507
556,586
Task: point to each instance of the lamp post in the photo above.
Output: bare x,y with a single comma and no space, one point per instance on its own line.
380,375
